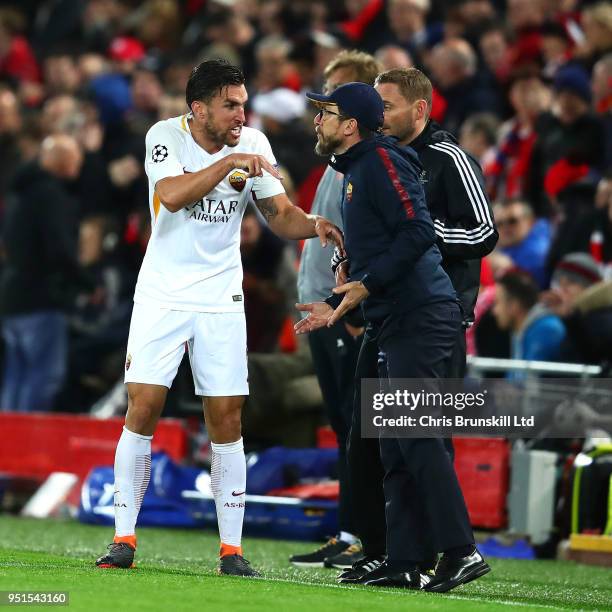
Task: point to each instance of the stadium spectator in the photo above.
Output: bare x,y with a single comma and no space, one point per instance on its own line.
453,65
40,276
525,18
472,16
391,57
601,86
273,66
537,333
17,60
523,240
98,327
126,52
407,20
478,137
569,148
61,73
507,174
556,48
158,24
146,93
494,46
590,233
10,127
597,27
584,303
57,22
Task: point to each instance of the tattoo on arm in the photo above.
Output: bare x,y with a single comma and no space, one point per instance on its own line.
267,208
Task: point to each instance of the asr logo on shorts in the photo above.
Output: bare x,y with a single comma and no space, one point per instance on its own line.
349,192
128,362
237,298
237,180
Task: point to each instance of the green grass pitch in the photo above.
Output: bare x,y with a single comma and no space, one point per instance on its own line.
176,571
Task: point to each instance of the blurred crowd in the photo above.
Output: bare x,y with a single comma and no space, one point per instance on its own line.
526,85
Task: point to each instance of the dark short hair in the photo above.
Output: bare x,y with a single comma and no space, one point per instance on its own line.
209,78
520,286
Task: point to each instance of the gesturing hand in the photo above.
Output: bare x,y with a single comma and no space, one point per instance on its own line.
354,294
253,164
326,230
319,314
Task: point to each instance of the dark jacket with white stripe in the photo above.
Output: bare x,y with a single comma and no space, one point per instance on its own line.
389,234
455,194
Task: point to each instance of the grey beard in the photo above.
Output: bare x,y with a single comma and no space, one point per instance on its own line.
326,147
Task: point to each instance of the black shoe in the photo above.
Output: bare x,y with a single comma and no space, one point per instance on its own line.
120,555
428,566
453,572
345,560
316,559
385,576
360,570
236,565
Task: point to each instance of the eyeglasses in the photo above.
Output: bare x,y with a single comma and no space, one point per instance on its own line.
323,112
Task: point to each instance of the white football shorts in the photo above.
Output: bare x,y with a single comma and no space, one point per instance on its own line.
216,342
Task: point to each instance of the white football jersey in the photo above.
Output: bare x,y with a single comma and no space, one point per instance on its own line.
193,256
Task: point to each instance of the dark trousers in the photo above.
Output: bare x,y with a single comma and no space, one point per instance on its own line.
425,509
334,354
365,465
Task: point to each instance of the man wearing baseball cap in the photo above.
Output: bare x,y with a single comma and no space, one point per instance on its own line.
409,304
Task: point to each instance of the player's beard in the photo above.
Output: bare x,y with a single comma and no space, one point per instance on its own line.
219,136
326,145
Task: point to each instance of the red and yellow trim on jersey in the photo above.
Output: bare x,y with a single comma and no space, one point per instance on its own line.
184,123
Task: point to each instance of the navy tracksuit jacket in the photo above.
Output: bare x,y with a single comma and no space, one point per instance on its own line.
389,235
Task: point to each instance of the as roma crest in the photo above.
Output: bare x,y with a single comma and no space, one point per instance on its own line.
238,180
349,192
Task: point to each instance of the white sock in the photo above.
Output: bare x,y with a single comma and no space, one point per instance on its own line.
228,484
345,536
132,474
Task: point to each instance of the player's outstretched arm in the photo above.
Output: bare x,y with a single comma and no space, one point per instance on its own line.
176,192
289,221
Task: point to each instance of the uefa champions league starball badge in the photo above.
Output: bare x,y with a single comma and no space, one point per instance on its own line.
159,153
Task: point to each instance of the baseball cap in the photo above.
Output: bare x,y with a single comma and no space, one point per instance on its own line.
574,79
356,100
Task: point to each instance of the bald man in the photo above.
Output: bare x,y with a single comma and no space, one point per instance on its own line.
453,65
40,276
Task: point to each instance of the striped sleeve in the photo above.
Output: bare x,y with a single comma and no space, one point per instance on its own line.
467,230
